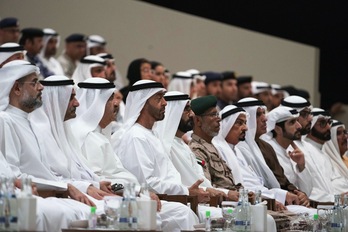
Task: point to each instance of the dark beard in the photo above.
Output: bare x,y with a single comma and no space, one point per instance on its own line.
242,138
295,136
306,130
324,137
185,126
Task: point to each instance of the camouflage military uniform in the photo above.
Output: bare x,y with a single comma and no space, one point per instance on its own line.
215,168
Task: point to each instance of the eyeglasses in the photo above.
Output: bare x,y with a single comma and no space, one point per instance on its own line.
187,109
323,123
340,132
304,114
159,74
147,70
215,114
33,83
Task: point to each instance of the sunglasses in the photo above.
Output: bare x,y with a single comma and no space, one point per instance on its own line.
323,123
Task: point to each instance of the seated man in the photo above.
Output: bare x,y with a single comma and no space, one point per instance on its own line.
98,109
51,121
181,155
261,156
9,52
179,113
233,129
48,51
229,90
315,131
263,92
327,181
9,30
337,148
89,66
75,50
48,210
206,126
21,94
284,128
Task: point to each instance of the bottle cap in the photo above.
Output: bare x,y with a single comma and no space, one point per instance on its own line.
93,209
315,216
230,211
207,213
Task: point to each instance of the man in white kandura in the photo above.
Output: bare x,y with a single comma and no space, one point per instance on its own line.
142,153
52,121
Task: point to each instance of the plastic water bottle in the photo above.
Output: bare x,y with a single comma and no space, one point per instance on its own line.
133,208
207,221
345,213
316,223
336,217
242,212
12,199
3,205
258,198
229,222
124,209
92,221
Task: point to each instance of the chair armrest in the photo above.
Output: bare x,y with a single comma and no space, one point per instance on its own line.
315,204
215,201
184,199
53,193
271,203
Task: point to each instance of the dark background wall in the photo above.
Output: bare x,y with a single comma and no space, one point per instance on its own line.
317,23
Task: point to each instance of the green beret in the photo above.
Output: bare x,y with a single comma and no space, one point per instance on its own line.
202,104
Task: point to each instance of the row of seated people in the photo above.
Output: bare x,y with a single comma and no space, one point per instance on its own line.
141,151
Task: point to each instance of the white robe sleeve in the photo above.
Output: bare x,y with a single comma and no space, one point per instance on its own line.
10,147
304,180
148,166
103,161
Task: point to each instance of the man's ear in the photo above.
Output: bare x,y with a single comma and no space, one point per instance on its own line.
278,130
16,88
197,121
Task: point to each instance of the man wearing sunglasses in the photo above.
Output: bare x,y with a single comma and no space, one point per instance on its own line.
327,181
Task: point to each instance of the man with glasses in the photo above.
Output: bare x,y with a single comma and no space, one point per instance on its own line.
206,126
262,158
20,94
178,121
327,180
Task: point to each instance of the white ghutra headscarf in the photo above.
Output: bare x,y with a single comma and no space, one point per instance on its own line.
250,149
11,72
92,95
166,129
228,117
83,69
139,93
332,149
